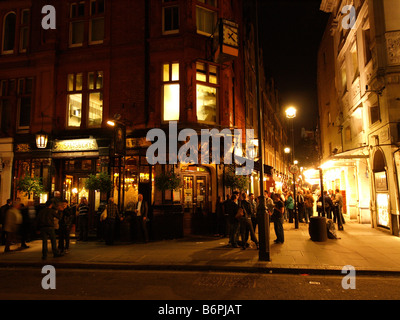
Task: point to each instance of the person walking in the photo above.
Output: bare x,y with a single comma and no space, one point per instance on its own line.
12,224
142,211
83,219
246,223
65,224
109,223
277,218
45,223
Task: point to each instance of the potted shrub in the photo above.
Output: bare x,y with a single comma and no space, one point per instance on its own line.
30,185
236,182
101,182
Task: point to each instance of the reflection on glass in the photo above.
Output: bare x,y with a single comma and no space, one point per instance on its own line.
206,104
95,109
74,110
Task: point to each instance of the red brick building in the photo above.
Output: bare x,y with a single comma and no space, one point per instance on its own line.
142,63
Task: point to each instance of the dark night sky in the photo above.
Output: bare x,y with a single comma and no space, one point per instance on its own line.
290,37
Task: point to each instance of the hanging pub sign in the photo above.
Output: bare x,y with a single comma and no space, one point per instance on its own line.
226,41
119,140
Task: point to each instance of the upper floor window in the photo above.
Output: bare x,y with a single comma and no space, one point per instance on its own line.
171,92
207,92
9,32
85,100
206,16
170,16
16,94
93,12
24,30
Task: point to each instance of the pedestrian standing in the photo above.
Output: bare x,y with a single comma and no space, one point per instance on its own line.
308,205
253,207
83,219
3,212
277,218
232,207
45,223
246,223
338,202
300,205
289,205
12,224
109,223
142,211
66,222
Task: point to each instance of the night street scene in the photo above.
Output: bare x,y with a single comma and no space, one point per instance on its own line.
200,158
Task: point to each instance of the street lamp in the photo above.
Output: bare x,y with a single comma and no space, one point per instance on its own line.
291,113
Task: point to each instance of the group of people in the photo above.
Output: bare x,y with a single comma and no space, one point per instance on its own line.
56,219
280,206
242,215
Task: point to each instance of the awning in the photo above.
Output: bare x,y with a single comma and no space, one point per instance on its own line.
359,153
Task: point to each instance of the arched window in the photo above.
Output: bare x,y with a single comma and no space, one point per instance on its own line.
9,27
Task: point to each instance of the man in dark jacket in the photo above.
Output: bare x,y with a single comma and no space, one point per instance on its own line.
231,209
3,212
45,223
245,223
66,221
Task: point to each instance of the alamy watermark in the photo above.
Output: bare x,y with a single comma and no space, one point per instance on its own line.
49,280
189,152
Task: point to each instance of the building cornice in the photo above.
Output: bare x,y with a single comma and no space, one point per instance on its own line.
328,5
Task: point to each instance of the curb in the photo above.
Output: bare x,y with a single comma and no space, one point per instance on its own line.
305,271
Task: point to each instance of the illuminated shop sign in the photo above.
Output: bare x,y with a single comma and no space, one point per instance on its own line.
75,145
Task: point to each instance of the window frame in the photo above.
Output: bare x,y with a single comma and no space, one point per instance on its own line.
20,96
210,8
96,16
207,83
3,51
85,93
166,5
170,82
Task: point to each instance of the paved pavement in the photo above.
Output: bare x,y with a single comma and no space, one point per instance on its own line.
370,251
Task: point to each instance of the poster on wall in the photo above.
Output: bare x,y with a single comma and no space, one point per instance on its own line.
381,181
382,203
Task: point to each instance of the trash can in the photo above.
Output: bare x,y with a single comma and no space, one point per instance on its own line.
317,229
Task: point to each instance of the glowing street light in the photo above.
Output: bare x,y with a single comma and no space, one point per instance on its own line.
291,113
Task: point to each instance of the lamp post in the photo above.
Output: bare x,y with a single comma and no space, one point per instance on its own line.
291,114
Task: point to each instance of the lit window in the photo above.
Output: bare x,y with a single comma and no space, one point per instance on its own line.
74,100
95,114
171,92
207,92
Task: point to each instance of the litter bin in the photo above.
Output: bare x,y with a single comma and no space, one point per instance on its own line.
317,229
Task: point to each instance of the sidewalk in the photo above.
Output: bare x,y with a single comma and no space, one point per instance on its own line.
369,250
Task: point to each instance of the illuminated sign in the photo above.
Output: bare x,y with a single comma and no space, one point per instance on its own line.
75,145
